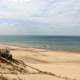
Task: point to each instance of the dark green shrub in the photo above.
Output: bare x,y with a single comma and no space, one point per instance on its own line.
5,53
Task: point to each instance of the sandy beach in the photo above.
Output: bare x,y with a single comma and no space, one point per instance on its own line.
64,65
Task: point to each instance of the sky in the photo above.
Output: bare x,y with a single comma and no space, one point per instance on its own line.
40,17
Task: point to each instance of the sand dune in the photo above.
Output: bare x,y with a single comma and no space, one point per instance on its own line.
40,64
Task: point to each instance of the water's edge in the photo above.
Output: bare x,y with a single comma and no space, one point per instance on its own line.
56,43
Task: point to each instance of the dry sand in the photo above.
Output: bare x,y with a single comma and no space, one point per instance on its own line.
65,65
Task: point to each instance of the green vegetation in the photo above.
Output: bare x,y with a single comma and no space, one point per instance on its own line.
5,53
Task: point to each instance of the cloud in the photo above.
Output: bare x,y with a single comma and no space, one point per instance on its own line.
48,16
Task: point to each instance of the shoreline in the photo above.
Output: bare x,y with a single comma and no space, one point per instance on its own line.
47,56
44,49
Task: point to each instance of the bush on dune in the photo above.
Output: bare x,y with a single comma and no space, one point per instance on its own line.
5,53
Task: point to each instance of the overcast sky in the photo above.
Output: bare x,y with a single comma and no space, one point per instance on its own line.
40,17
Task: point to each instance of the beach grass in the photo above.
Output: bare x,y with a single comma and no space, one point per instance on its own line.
5,53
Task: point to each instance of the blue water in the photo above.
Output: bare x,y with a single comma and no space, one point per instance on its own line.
66,43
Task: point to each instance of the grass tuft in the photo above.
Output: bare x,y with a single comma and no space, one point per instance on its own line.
5,53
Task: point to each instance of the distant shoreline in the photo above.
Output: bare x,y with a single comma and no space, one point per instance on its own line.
43,49
52,43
